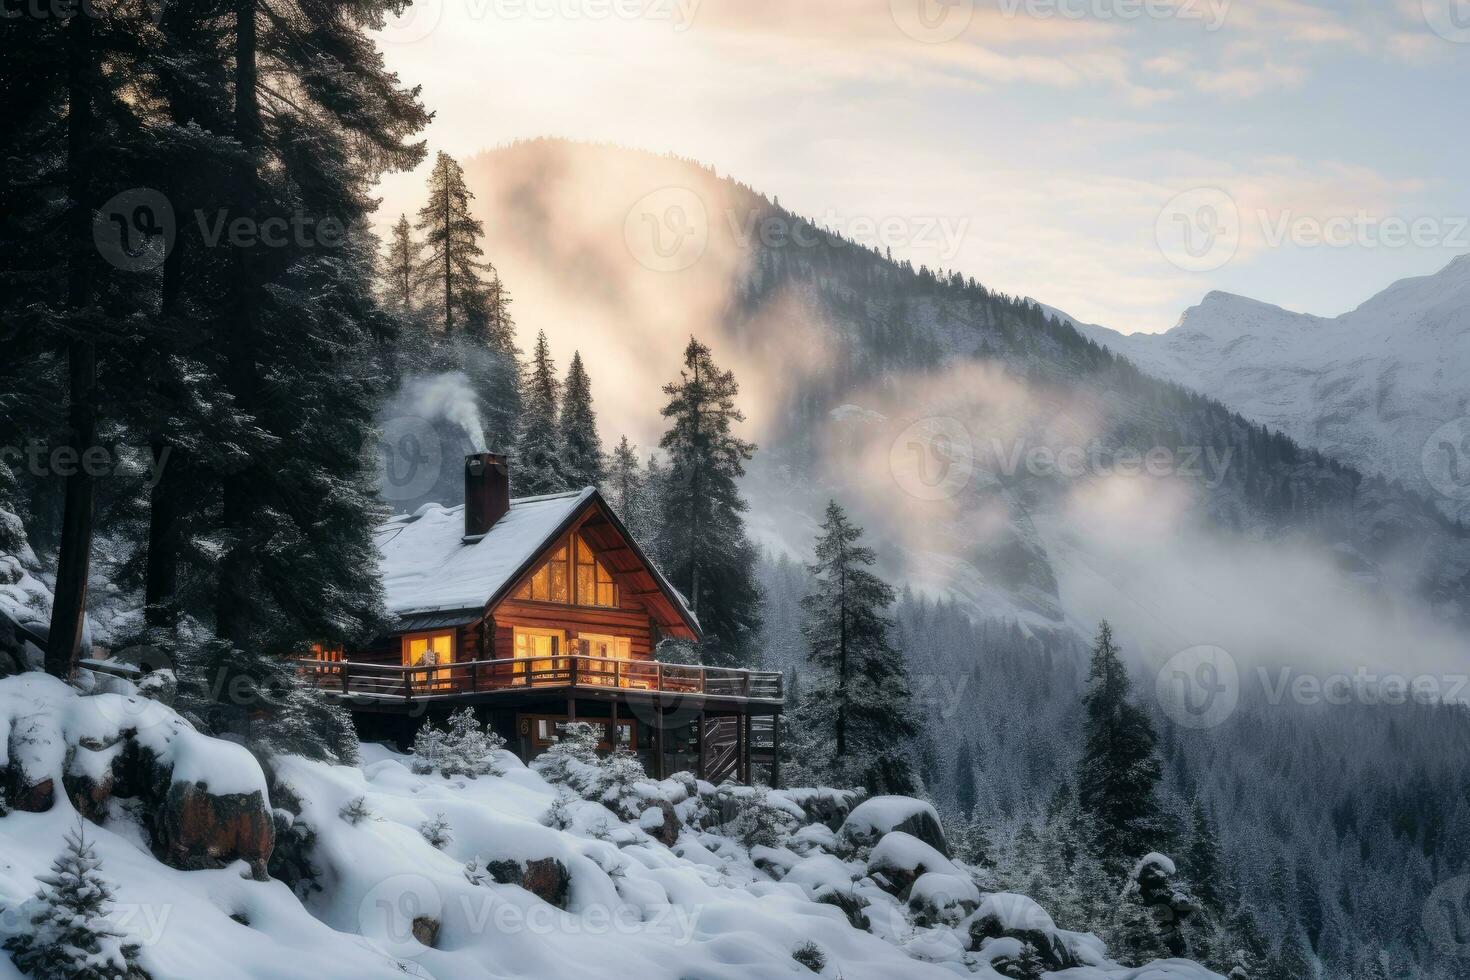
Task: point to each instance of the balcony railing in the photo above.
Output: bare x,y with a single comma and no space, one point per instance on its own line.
397,682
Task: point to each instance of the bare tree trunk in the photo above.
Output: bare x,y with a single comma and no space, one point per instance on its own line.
232,597
68,611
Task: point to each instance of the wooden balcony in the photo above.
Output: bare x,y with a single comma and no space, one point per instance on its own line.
489,679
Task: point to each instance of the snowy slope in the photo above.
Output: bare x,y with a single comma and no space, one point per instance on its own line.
373,897
1370,386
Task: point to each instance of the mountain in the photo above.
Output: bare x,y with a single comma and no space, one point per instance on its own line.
1375,387
998,457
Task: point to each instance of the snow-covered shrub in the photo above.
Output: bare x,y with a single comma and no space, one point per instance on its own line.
429,748
437,832
466,749
356,811
69,937
559,815
571,756
810,955
616,781
758,821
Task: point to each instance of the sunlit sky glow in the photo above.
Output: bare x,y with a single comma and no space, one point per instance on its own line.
1032,144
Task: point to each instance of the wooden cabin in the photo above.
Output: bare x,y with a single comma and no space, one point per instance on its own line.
537,611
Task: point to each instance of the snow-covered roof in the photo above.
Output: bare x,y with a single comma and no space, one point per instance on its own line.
428,566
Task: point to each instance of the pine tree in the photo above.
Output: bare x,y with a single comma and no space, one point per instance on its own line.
400,279
1119,770
964,777
1294,959
538,463
436,832
1202,861
857,715
581,448
702,543
626,489
449,270
69,937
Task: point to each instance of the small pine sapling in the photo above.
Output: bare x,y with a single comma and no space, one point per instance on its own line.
68,935
810,955
356,811
437,832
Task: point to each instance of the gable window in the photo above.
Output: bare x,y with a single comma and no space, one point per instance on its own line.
549,584
571,576
595,587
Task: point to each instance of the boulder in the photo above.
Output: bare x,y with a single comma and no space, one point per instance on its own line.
1006,916
661,822
426,930
196,829
900,859
873,819
546,878
29,796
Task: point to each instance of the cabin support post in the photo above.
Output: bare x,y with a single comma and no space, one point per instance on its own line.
742,748
699,744
658,738
615,739
571,709
776,751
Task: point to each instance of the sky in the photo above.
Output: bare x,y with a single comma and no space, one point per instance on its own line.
1117,159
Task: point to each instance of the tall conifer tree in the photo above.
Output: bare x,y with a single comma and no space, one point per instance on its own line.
450,268
857,715
581,447
702,541
1119,771
538,459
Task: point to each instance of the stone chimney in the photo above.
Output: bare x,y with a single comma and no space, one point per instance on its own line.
486,492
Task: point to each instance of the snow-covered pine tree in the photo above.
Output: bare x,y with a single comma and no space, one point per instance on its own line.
1203,863
469,747
448,272
581,447
964,777
538,458
703,546
1119,770
430,746
616,782
758,821
625,487
1294,959
400,280
436,832
856,719
69,936
572,758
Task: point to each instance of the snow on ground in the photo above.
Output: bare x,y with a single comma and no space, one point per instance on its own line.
602,896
